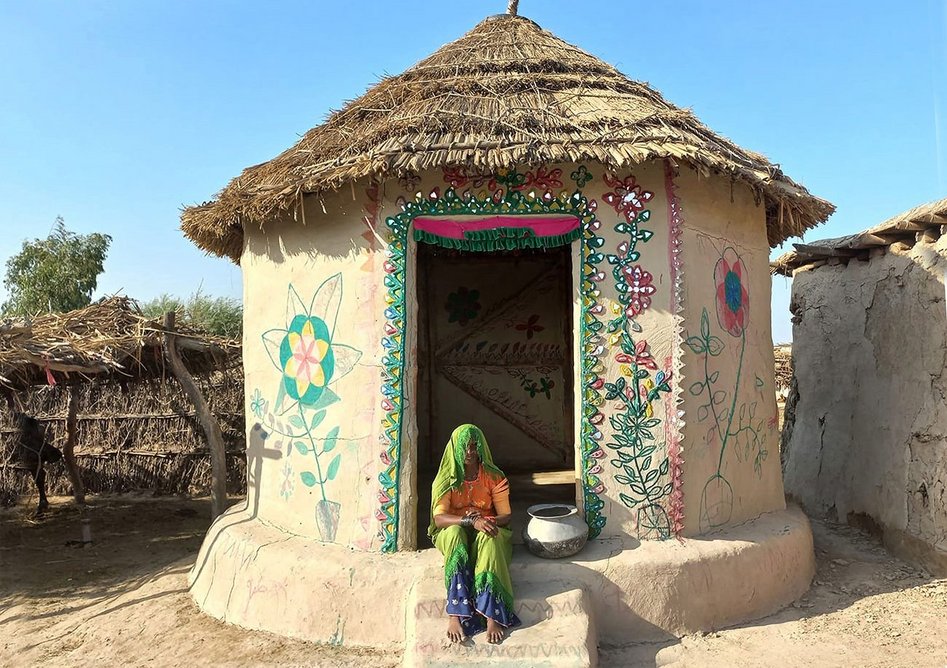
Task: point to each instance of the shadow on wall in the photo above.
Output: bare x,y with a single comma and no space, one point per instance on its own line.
347,222
256,453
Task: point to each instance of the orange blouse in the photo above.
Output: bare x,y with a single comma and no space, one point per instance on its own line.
489,495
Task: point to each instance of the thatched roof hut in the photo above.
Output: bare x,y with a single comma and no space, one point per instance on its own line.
514,234
112,341
507,93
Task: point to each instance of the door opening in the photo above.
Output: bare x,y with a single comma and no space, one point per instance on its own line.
495,339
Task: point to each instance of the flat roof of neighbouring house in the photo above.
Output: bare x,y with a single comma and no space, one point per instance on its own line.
927,220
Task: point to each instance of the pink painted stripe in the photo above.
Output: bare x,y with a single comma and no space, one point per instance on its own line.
673,423
454,228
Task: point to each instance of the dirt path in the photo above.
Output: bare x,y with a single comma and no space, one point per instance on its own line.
125,601
865,609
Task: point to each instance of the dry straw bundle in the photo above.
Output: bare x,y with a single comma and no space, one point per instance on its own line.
107,339
783,355
133,429
507,93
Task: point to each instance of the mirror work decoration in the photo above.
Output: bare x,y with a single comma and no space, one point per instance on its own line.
509,210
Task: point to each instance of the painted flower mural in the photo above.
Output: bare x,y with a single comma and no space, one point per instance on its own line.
531,326
733,300
258,404
640,289
409,182
731,423
304,351
640,356
581,176
287,484
640,455
306,358
309,360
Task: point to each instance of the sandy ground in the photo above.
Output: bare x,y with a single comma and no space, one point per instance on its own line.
124,601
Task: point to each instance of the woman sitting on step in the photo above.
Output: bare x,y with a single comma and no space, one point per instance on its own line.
470,512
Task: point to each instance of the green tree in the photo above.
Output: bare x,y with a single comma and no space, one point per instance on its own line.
58,273
221,316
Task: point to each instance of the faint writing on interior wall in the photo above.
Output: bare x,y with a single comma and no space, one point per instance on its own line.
501,402
503,354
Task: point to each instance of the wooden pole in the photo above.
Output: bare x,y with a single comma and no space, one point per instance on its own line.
215,439
69,449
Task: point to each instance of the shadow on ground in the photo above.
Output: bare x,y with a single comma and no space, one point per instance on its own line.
865,607
124,600
133,538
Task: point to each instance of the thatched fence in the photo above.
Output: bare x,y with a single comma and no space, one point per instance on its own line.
783,354
143,437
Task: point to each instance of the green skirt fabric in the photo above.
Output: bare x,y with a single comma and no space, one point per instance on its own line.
477,573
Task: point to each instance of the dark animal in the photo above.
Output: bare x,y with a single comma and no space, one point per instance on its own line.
33,451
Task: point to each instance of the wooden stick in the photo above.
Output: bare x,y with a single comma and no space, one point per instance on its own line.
69,449
215,439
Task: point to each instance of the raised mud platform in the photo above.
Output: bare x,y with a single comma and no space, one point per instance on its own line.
257,576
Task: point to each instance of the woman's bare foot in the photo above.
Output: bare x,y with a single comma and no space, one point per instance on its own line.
494,632
454,630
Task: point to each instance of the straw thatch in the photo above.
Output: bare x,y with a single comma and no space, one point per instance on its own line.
922,222
109,339
507,93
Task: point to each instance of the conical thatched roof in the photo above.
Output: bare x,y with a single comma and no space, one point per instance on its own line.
507,93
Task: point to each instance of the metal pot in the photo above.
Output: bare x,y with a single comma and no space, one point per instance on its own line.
555,530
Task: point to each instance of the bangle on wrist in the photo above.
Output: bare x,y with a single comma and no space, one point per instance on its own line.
466,521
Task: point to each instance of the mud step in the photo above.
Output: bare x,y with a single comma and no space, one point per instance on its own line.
557,630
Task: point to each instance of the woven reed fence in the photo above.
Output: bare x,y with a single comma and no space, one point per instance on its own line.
145,437
783,370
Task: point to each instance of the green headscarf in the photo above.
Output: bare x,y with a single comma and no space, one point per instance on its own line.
450,475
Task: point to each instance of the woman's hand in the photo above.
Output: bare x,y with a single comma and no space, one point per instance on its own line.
486,525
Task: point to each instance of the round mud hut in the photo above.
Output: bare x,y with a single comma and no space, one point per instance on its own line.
515,234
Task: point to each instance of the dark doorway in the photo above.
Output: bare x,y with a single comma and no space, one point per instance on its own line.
495,339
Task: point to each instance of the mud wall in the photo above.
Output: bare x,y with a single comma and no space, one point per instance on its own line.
730,434
869,442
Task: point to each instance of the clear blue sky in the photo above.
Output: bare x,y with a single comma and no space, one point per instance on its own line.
115,114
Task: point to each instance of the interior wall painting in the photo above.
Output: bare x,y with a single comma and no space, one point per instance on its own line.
487,346
309,361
